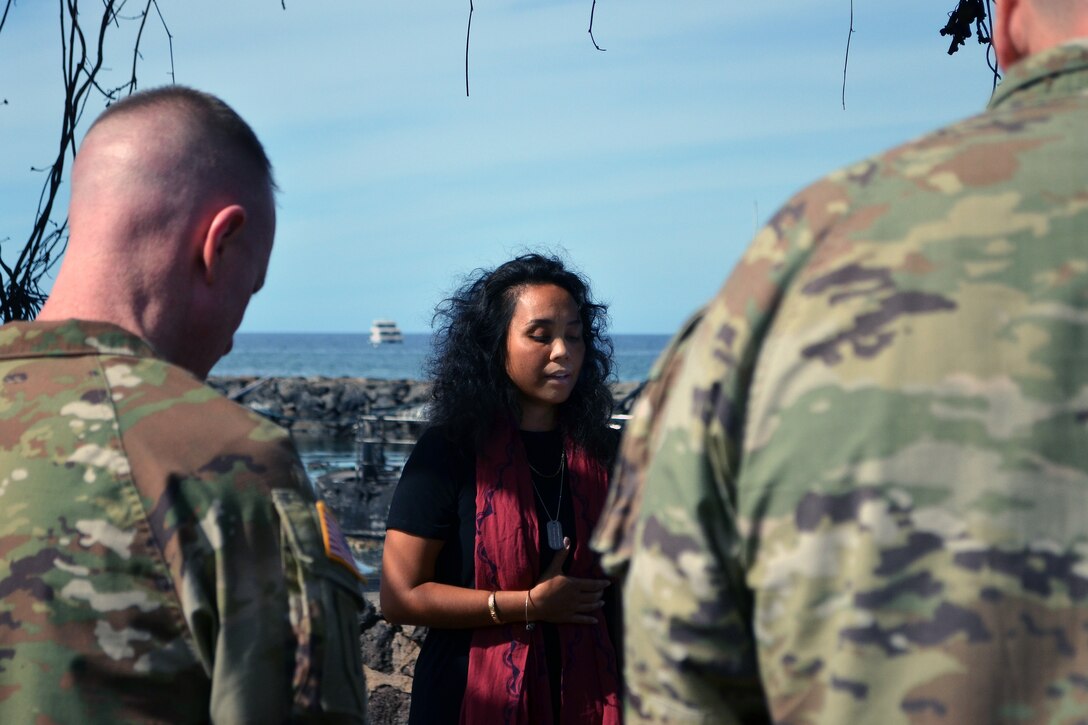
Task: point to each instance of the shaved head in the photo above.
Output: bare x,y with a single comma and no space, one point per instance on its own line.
168,184
225,139
168,150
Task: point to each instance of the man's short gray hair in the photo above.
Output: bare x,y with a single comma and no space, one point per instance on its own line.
217,122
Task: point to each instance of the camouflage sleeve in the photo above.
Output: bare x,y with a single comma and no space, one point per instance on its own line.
266,586
689,649
323,599
269,601
611,537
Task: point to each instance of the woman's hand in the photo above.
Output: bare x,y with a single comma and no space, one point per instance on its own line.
564,599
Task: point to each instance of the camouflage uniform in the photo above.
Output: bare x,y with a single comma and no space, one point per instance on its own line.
162,556
856,490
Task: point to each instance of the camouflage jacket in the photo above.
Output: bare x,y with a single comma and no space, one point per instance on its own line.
856,490
163,558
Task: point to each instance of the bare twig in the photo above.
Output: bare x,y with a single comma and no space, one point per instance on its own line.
170,38
136,46
846,61
972,17
592,10
21,294
991,58
468,36
4,17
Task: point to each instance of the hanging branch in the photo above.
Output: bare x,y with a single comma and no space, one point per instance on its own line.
991,54
169,41
972,17
846,61
4,17
592,10
468,37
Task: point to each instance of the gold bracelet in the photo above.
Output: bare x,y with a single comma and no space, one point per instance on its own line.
528,598
493,608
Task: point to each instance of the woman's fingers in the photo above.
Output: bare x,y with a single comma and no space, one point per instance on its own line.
598,585
555,568
570,600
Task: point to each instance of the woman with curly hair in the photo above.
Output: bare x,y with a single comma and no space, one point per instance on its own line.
488,533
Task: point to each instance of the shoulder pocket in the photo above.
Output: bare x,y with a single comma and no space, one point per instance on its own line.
324,589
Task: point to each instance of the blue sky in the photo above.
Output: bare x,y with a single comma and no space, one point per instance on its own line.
649,165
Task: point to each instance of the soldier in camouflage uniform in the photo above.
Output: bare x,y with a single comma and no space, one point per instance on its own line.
856,489
163,555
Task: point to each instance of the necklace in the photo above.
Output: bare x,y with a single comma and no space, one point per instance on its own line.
562,457
553,528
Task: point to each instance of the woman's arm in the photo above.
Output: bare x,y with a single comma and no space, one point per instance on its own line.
409,594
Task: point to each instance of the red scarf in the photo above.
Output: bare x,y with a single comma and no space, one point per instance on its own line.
507,672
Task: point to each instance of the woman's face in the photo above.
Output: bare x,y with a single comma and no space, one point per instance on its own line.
544,352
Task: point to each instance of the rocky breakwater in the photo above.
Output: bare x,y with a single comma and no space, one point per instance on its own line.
334,406
331,406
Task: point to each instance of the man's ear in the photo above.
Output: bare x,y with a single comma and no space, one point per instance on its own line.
224,227
1010,31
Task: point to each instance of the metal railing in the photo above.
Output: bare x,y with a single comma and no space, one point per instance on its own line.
384,442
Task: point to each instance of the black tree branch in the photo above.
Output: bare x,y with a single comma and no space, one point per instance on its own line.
846,61
4,17
468,38
21,294
592,10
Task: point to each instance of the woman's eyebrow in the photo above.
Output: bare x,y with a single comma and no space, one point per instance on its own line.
552,321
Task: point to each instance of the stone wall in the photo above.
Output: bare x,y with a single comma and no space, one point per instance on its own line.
324,405
389,662
334,405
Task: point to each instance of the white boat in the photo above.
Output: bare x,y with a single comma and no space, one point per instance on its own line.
383,331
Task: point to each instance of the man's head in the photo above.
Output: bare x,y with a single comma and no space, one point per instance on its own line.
1026,27
172,217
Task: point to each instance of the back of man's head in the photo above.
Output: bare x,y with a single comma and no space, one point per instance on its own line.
226,137
165,184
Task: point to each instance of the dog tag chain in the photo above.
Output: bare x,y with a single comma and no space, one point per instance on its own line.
554,529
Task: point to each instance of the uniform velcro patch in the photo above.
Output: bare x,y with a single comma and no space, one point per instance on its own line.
336,546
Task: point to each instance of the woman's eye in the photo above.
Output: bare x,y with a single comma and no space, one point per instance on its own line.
540,338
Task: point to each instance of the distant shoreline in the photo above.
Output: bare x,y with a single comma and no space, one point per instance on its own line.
352,355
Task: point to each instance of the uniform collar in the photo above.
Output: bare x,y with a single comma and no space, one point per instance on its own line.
70,337
1040,73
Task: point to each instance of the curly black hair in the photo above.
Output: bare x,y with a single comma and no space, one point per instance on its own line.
471,390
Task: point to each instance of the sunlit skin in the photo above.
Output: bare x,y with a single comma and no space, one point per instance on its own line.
544,354
158,246
545,349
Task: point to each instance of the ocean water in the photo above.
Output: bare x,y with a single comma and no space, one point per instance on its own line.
351,355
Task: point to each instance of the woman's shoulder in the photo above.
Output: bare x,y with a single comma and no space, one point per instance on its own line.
442,439
437,448
436,467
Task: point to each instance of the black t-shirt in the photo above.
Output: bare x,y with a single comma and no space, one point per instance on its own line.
436,499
